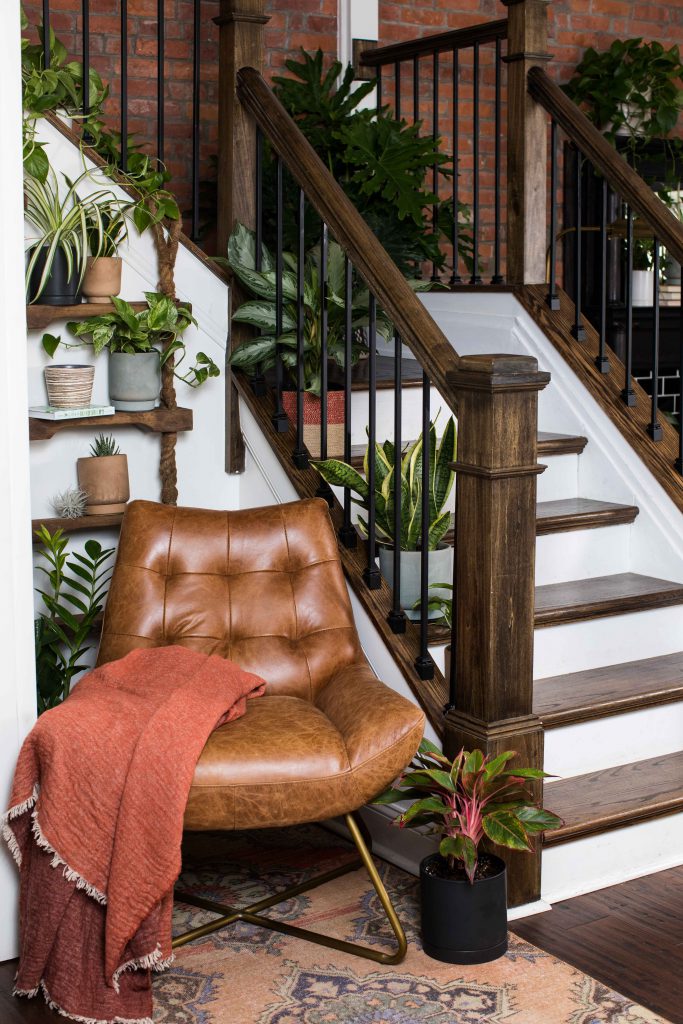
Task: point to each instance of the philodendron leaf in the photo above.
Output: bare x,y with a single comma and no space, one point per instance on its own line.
50,344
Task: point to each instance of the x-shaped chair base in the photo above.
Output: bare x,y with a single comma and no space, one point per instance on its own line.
251,914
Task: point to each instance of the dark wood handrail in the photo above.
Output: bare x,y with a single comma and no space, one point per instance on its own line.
457,39
386,282
622,178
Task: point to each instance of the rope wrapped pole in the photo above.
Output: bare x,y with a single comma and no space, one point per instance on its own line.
166,240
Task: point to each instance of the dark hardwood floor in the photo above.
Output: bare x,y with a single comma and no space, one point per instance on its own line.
629,937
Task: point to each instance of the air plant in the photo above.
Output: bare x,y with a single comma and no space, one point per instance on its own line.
103,446
467,799
70,503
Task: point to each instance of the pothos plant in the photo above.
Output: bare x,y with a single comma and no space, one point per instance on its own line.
467,799
441,479
261,311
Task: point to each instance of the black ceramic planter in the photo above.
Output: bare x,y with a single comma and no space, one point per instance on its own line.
60,289
463,923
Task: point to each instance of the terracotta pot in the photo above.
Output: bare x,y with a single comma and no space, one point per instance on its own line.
102,278
69,386
104,478
313,418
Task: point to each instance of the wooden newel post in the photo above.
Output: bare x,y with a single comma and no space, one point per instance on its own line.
527,143
497,400
241,44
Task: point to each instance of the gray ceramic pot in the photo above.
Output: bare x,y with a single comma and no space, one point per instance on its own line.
134,381
440,571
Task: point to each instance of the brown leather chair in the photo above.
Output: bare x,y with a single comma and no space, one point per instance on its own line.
264,587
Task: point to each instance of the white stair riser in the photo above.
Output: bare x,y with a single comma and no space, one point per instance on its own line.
617,739
560,479
411,415
607,641
581,554
609,858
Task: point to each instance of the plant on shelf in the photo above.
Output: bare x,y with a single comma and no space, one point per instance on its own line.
414,533
103,475
70,503
632,89
67,229
139,345
464,801
102,277
73,594
259,352
381,163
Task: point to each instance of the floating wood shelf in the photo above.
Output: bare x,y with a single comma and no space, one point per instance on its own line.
74,525
39,317
159,421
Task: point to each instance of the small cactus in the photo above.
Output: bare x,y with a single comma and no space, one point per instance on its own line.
104,446
70,504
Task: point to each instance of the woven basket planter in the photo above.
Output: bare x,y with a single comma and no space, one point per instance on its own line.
313,419
69,386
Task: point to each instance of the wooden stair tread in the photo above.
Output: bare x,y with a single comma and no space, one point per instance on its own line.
548,444
615,797
603,595
581,514
612,690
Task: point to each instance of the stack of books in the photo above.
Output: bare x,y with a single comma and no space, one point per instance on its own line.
50,412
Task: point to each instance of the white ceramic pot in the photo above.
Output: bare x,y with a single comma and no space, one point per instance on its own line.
643,286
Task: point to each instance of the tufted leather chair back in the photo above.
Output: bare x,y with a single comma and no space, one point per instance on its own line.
261,586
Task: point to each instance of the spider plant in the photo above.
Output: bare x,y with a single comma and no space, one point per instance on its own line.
70,224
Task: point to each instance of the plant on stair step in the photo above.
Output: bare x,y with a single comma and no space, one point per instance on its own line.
73,594
414,533
464,801
139,344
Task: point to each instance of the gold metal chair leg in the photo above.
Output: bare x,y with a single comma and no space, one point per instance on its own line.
251,913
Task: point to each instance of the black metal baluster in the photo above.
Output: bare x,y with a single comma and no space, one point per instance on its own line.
196,42
379,89
578,330
601,360
628,393
85,17
655,428
258,381
476,277
161,59
455,276
396,617
397,90
416,89
280,421
435,168
452,681
300,456
347,533
423,663
679,461
324,490
46,34
497,276
371,575
553,298
124,85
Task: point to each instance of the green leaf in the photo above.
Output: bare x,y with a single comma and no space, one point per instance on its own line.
503,828
339,474
50,344
430,804
537,819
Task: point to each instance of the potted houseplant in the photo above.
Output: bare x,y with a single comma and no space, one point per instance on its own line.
643,275
139,345
632,89
67,228
441,479
103,476
463,888
259,352
102,277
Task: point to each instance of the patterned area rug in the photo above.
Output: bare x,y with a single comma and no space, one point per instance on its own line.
249,975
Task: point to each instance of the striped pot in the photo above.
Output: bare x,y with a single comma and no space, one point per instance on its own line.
69,386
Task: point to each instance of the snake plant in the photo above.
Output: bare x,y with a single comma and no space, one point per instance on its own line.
441,478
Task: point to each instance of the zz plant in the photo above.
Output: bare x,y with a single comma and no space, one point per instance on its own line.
468,799
441,479
73,593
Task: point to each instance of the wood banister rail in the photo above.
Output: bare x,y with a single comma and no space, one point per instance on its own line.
457,39
621,177
386,282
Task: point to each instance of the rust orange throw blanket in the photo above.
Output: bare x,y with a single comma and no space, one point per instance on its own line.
96,821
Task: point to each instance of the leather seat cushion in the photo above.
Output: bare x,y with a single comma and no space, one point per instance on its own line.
285,762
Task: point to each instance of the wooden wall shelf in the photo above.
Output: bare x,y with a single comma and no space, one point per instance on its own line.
39,317
74,525
159,421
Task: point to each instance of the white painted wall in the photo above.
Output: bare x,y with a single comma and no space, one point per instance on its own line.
17,682
356,19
